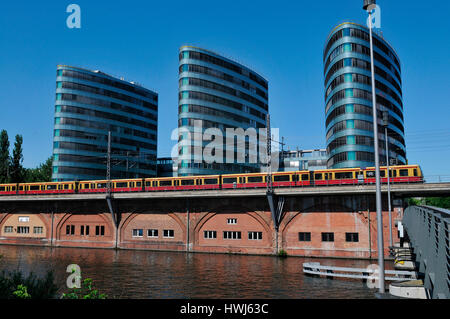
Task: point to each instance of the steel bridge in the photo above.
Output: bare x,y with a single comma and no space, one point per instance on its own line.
427,229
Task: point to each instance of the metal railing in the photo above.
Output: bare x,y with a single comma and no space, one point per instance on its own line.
427,228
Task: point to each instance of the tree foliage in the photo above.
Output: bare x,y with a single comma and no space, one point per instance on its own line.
42,173
15,285
87,291
4,157
17,172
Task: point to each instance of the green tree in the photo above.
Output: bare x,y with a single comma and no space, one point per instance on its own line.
4,157
21,292
42,173
16,285
442,202
87,291
17,171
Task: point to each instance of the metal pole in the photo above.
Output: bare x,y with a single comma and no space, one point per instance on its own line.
377,169
388,171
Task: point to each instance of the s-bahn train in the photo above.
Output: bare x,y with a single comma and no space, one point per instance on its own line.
344,176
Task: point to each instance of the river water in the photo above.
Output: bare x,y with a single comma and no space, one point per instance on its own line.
168,275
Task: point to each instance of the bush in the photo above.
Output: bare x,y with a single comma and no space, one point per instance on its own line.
87,291
282,253
14,285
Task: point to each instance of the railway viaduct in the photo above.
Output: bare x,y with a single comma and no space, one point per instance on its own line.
326,221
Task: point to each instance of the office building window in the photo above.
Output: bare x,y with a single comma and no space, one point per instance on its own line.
99,230
8,229
23,230
210,234
152,233
232,221
169,233
302,236
138,232
327,236
231,235
38,230
255,235
24,219
352,237
70,230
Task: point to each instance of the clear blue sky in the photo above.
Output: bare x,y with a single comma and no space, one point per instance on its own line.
281,40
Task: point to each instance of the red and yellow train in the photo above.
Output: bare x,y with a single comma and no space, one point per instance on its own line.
344,176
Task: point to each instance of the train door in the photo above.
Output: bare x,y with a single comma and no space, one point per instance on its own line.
311,178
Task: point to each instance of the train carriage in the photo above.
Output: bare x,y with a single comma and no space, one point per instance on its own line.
46,188
345,176
183,183
397,174
8,189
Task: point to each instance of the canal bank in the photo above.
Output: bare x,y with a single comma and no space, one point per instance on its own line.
166,275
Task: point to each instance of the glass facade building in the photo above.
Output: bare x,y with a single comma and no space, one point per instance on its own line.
303,160
348,98
217,93
89,104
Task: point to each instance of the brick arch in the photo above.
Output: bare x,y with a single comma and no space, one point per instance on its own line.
67,216
126,221
255,215
17,212
314,221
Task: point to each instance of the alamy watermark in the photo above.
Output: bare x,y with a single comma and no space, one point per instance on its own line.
74,19
375,14
225,145
74,279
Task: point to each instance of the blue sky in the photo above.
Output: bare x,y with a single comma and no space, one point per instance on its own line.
281,40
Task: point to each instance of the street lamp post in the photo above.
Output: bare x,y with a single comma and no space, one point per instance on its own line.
385,124
369,5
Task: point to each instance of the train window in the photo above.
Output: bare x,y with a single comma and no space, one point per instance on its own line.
186,182
35,187
165,183
102,185
403,172
229,180
370,174
305,177
52,187
138,184
295,178
66,186
343,175
21,187
415,174
2,188
327,176
123,184
210,181
281,178
254,179
318,176
155,183
382,173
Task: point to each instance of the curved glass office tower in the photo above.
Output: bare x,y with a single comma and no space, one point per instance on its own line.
217,93
348,98
88,105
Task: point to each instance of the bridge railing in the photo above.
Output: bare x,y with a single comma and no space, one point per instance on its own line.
427,228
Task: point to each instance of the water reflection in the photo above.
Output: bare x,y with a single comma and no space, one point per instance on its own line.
147,274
